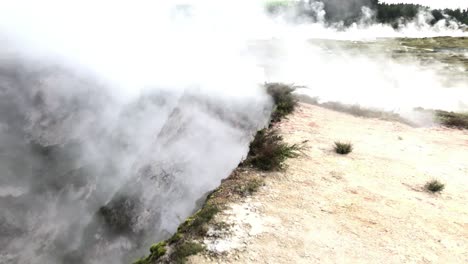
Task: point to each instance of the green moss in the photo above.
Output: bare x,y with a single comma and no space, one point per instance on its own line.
196,223
185,250
176,237
158,249
140,261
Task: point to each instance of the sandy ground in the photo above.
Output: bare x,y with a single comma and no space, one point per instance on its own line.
367,207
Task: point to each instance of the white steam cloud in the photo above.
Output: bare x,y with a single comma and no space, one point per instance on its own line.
116,116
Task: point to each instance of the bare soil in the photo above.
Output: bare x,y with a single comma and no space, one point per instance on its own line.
366,207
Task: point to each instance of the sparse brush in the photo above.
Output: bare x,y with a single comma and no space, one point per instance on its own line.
157,250
248,188
451,119
343,148
196,224
285,101
268,152
181,243
184,250
434,186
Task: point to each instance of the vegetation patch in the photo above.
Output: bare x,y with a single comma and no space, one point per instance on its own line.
284,100
350,11
196,224
183,243
268,152
453,120
248,188
185,250
275,6
434,186
241,183
343,148
436,43
157,250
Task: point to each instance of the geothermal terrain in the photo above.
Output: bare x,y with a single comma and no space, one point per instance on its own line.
136,132
133,181
367,207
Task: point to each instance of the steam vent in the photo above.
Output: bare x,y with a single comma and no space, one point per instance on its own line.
318,131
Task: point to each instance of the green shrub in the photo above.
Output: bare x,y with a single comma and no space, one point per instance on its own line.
434,186
283,98
183,251
343,148
268,152
451,119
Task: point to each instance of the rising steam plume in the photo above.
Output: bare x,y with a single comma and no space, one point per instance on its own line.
116,117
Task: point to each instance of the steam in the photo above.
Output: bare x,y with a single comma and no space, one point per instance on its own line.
116,116
116,119
361,69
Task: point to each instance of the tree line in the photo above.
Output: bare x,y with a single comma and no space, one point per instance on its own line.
391,13
350,11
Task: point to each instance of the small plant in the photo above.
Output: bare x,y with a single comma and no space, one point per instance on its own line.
284,100
157,250
268,152
343,148
434,186
246,189
183,251
175,238
196,223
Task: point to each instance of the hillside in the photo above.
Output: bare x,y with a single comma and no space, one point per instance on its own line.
367,207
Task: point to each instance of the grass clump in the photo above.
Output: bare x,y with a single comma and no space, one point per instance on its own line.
434,186
196,224
343,148
268,152
249,187
181,242
284,100
157,250
452,119
184,250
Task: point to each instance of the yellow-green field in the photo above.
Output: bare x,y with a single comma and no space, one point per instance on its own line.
448,55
